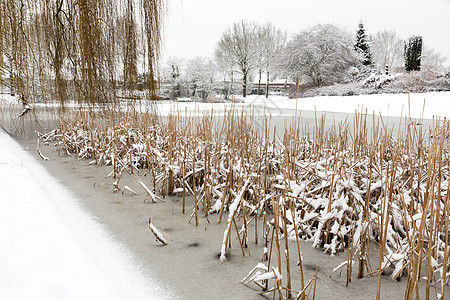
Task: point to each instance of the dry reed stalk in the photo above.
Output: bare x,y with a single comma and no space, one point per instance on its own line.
381,224
288,267
233,209
194,188
353,173
138,180
302,292
434,215
245,236
239,237
413,279
276,216
362,252
446,228
315,283
300,260
266,232
224,196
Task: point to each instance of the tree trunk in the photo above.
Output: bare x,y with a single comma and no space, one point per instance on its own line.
244,83
231,84
11,82
267,85
259,82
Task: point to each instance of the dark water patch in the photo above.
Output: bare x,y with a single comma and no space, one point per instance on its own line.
194,245
311,267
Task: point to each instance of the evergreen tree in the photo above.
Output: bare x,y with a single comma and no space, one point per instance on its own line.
362,45
413,53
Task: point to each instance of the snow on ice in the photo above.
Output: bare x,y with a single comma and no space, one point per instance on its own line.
51,248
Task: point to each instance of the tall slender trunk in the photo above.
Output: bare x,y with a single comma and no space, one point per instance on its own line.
267,85
1,47
259,81
231,83
244,83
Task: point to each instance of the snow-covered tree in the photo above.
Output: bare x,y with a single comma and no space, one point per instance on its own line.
270,42
387,50
362,45
432,59
200,76
174,78
413,53
323,54
238,46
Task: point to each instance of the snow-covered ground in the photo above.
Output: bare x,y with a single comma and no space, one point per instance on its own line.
50,248
396,105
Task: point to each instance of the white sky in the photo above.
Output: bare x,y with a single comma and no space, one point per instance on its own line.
193,27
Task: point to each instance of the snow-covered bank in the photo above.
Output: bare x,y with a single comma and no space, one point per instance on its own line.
397,105
51,248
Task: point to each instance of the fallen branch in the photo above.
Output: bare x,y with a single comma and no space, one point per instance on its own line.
127,188
135,177
39,152
25,110
156,232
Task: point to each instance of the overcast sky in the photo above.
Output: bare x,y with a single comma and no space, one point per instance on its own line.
193,27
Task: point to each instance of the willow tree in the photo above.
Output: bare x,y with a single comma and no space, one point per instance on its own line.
153,13
130,72
15,24
91,46
70,47
1,47
54,28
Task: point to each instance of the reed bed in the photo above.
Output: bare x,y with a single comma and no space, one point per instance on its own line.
351,188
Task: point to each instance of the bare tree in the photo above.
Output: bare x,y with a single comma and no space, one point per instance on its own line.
432,59
271,42
238,46
226,69
387,50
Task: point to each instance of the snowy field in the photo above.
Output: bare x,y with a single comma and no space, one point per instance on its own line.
396,105
424,105
51,248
